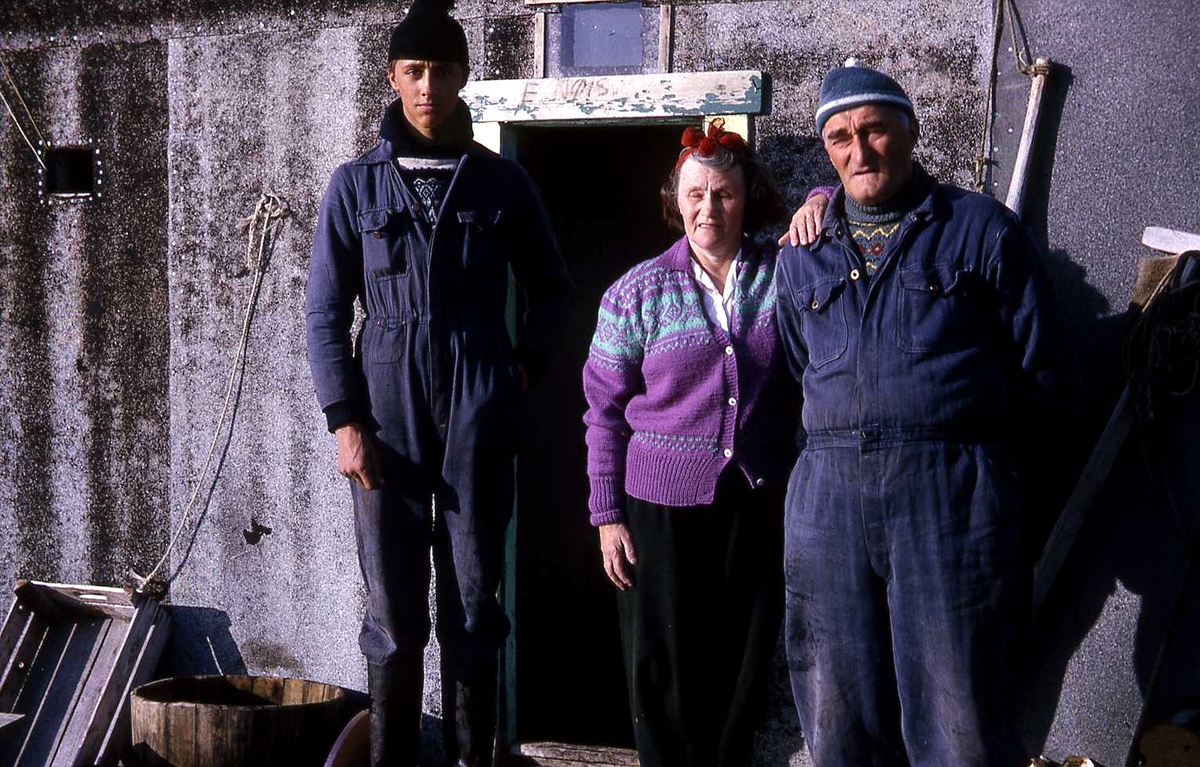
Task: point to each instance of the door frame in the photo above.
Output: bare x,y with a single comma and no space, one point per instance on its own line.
499,108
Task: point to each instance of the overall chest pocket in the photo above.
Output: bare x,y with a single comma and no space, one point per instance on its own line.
385,242
481,237
938,309
386,245
823,320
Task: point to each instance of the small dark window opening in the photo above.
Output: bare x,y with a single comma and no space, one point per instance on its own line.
70,172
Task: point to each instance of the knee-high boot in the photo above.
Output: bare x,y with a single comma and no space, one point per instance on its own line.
396,711
469,717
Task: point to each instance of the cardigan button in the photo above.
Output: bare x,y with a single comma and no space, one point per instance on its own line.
729,351
728,453
732,401
854,275
759,482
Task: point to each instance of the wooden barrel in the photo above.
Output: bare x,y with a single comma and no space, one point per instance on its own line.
224,721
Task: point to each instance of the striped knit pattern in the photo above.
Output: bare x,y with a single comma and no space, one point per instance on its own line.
659,382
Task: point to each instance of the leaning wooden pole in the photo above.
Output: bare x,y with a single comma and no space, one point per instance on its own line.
1016,186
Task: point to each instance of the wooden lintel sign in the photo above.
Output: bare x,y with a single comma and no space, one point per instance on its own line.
616,97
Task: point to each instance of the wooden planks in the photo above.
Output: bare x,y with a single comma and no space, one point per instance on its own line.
69,654
551,754
219,720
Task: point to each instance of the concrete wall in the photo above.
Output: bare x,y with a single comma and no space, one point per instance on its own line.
84,454
1122,157
120,315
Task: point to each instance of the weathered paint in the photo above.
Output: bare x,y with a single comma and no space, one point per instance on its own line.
615,97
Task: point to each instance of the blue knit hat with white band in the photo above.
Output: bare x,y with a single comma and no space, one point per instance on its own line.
852,86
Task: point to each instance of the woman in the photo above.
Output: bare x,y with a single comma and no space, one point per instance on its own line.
690,433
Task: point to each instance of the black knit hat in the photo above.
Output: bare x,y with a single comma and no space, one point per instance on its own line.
427,33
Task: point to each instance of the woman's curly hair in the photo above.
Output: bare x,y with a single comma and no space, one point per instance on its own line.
721,149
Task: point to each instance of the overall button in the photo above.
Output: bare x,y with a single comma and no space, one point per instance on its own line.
816,305
854,275
935,288
728,453
759,482
732,401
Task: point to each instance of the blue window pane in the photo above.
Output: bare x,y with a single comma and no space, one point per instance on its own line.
603,36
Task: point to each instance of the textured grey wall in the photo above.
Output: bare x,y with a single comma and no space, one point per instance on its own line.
1123,157
84,459
249,119
120,315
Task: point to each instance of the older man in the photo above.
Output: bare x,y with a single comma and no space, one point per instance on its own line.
923,332
422,231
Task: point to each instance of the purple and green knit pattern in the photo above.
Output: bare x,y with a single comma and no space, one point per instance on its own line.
672,398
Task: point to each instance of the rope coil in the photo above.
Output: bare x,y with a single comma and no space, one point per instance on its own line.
267,220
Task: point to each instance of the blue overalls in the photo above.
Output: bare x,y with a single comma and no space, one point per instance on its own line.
901,542
436,379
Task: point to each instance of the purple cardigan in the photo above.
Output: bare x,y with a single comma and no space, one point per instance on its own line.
673,399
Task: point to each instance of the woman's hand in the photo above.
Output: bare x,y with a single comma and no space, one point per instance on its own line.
806,223
616,544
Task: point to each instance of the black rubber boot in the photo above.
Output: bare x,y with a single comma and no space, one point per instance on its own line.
396,712
469,718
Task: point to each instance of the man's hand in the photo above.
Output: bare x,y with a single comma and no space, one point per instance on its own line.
357,459
806,223
616,544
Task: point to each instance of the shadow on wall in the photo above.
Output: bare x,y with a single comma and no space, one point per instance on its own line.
201,643
799,163
1140,535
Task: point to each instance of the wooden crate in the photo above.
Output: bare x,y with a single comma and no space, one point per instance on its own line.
70,655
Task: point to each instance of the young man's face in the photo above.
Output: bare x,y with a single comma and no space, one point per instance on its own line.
428,91
871,148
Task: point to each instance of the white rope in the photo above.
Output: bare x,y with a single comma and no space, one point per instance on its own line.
269,214
32,123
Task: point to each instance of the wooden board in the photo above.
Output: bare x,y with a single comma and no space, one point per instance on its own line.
1170,240
668,95
550,754
69,654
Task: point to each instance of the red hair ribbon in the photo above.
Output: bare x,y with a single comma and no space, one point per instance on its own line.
694,140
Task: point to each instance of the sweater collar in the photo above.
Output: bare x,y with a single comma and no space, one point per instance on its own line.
922,187
679,255
399,141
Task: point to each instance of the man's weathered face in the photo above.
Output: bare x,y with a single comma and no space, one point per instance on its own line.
871,148
428,91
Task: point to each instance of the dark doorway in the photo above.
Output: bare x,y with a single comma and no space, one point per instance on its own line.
600,185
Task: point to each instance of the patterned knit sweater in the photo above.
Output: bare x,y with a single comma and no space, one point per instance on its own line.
673,399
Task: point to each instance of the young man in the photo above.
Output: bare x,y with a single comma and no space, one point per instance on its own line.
923,331
422,231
